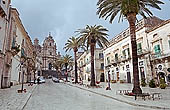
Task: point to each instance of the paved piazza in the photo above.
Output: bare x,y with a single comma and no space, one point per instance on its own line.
59,96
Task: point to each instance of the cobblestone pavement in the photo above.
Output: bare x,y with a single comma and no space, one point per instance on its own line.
60,96
11,100
163,103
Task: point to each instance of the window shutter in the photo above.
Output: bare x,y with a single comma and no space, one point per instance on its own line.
139,47
124,53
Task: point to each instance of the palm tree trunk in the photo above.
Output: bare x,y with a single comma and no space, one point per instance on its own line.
66,72
132,19
92,45
75,61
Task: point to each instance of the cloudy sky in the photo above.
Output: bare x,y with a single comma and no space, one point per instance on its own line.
63,17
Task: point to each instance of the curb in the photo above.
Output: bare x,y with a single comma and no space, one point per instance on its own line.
130,103
26,99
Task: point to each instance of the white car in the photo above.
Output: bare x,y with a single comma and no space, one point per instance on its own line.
55,79
42,80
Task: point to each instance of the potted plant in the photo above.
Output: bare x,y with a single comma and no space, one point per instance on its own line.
97,82
143,83
122,81
152,83
162,83
15,50
113,81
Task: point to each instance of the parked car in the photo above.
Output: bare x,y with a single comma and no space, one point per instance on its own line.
32,81
42,80
49,77
55,79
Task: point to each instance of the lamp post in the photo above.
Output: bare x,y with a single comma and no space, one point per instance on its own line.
22,72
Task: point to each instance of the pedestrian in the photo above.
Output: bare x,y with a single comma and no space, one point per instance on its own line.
38,80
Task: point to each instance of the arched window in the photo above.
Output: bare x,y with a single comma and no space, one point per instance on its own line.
49,66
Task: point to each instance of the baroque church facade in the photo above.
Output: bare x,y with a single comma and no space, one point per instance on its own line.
46,55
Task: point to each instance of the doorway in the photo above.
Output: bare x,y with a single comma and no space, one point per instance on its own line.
102,77
128,77
118,78
49,66
142,72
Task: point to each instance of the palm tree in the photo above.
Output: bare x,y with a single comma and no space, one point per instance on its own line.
74,44
66,61
91,35
57,64
128,9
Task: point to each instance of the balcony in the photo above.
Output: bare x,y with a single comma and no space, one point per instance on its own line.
160,56
15,49
115,62
3,11
23,55
125,59
142,52
88,70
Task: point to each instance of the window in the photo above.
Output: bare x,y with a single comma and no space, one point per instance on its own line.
13,43
116,57
3,1
81,63
87,61
101,56
50,44
124,53
108,60
155,35
87,70
102,66
139,48
49,66
50,53
128,50
157,50
169,44
23,52
23,42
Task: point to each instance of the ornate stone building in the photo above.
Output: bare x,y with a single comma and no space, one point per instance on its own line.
46,54
153,48
49,53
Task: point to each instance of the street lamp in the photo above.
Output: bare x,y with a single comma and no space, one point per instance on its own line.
22,64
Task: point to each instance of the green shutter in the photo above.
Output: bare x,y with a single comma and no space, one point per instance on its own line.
157,50
139,48
124,53
22,52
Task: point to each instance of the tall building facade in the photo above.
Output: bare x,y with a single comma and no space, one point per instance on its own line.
6,35
84,65
15,44
47,54
22,62
152,37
